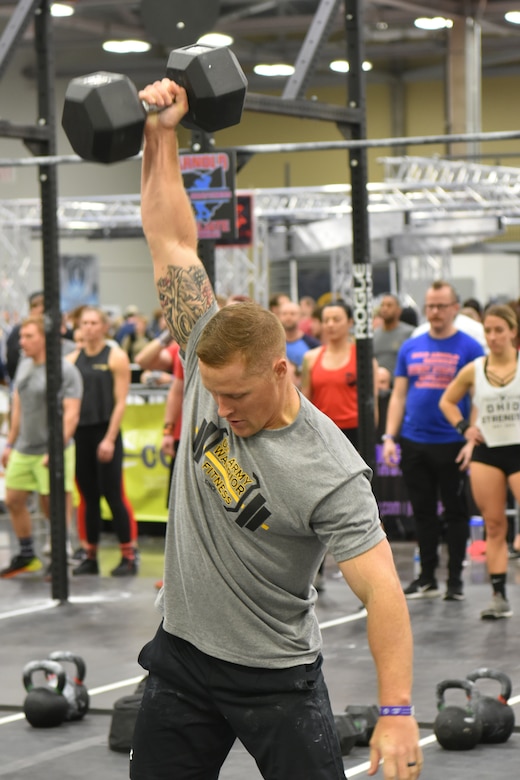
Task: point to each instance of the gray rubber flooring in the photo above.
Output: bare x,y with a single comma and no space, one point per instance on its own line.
106,621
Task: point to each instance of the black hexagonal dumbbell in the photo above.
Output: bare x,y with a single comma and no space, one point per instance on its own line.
214,82
104,119
349,732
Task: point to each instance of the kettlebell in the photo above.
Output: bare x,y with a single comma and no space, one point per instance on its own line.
498,718
457,728
45,706
74,691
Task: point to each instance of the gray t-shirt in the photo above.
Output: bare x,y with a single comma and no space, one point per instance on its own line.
30,381
386,344
250,521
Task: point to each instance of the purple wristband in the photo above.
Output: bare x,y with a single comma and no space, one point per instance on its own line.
407,710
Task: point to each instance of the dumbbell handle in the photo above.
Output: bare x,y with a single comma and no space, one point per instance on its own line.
152,108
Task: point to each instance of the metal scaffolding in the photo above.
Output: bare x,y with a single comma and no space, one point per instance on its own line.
423,208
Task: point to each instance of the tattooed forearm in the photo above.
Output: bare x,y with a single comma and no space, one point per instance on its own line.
185,294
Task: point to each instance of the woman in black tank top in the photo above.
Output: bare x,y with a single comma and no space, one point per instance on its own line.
105,369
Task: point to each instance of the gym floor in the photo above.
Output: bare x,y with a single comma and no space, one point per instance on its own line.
107,620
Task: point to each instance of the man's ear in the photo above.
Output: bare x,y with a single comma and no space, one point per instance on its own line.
280,367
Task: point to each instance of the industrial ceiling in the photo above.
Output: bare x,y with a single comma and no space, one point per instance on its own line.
273,31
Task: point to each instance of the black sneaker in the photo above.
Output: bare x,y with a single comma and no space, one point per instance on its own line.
88,566
79,555
125,568
20,564
454,593
422,590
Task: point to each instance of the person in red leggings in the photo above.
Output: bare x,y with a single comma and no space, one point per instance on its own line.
99,447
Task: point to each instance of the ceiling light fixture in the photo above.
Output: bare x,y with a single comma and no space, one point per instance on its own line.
513,17
61,9
215,39
127,47
342,66
274,70
433,23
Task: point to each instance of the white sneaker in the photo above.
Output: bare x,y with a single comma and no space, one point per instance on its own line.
498,608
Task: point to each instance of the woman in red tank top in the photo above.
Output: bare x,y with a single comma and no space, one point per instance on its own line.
329,373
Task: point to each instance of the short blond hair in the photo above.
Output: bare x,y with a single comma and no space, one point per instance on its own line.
35,319
245,329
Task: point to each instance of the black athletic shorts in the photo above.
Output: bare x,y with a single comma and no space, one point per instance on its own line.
507,458
195,706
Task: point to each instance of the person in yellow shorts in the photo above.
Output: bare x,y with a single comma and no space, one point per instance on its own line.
25,456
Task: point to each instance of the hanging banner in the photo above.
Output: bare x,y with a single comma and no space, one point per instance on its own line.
79,281
146,470
209,180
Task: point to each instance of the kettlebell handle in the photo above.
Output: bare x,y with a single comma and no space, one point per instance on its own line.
65,655
466,685
488,672
50,668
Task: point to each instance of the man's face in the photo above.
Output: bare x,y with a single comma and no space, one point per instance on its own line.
276,307
289,315
247,402
389,310
37,306
441,308
32,341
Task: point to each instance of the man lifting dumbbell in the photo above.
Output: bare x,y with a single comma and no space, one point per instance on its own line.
104,118
238,654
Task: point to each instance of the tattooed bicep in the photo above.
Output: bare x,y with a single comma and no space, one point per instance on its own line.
185,294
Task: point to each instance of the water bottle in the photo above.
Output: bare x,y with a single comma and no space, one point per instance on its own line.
476,528
477,545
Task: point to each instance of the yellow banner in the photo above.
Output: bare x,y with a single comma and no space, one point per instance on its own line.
146,470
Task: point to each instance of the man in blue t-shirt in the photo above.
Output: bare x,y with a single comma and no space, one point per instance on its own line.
430,446
298,342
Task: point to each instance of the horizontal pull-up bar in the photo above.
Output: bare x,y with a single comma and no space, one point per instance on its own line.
310,146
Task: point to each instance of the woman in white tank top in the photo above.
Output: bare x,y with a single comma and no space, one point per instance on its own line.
493,439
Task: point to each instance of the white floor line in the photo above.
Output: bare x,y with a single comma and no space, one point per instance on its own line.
28,610
345,619
353,771
90,599
92,692
116,685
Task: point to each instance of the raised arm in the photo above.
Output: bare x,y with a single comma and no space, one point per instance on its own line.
155,356
185,292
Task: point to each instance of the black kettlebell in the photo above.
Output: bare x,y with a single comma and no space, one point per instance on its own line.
498,718
74,691
45,706
457,728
